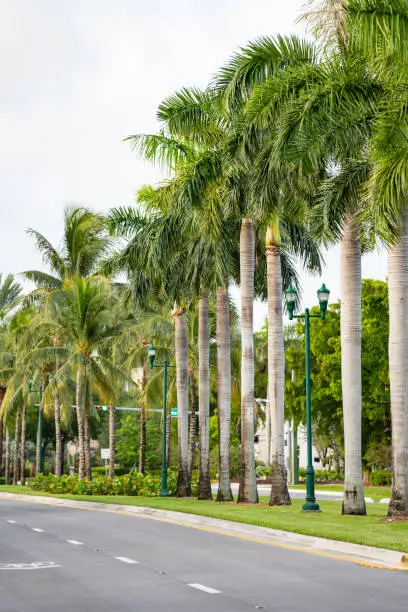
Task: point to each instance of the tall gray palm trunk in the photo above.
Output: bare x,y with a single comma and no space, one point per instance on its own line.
1,445
16,470
2,394
350,325
204,399
192,428
223,335
58,434
247,487
80,422
143,408
23,450
112,442
7,459
276,369
168,438
87,440
181,345
398,363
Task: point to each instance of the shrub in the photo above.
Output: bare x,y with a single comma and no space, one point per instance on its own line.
322,475
147,485
119,471
380,478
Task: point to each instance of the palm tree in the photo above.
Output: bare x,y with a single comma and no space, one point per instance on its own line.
10,294
322,138
85,242
385,25
82,314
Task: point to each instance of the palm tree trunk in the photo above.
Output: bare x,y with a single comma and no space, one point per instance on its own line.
142,448
204,399
80,422
168,437
398,363
23,444
2,394
247,487
58,435
112,441
223,393
87,440
350,325
8,453
16,470
181,345
276,373
193,423
38,445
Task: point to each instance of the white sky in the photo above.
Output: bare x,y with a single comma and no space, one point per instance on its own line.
77,76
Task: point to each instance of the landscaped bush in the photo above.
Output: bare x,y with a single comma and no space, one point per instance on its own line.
119,471
263,471
129,484
322,475
380,478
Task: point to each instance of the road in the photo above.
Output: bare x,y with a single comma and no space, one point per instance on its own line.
107,562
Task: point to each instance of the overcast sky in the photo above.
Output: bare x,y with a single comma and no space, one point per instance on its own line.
77,76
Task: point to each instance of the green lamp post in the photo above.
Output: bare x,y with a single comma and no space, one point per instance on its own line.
290,296
40,425
152,356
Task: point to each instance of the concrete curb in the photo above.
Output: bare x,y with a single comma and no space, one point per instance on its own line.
369,556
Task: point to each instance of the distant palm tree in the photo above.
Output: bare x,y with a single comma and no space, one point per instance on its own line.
85,243
82,314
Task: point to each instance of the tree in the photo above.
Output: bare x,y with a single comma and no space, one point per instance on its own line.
85,242
82,313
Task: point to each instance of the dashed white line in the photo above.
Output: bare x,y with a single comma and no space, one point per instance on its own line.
202,587
75,542
11,522
126,560
37,529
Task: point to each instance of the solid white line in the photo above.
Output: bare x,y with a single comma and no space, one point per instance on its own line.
37,530
201,587
11,522
126,560
75,542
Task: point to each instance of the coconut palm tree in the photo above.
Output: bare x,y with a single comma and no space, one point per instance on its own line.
82,314
85,243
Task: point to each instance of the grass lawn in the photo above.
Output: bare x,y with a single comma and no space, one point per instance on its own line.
376,493
369,530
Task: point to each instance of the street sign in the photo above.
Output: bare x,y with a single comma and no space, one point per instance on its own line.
105,454
174,413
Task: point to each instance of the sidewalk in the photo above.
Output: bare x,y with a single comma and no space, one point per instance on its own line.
343,551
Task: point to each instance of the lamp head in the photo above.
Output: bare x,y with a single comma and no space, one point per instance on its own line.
152,354
290,299
323,295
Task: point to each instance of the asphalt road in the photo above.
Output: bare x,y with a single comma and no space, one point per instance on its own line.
66,559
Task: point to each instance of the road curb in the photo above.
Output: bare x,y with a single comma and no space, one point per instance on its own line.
368,556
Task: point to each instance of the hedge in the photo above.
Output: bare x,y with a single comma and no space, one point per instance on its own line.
129,484
380,478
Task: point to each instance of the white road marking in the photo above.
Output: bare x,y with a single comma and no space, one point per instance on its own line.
28,566
37,529
202,587
11,522
75,542
126,560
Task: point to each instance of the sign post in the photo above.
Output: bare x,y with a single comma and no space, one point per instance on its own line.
105,454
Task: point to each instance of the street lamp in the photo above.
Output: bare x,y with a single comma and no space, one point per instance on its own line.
40,424
323,296
152,356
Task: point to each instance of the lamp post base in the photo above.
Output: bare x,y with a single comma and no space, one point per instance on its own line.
310,506
164,493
